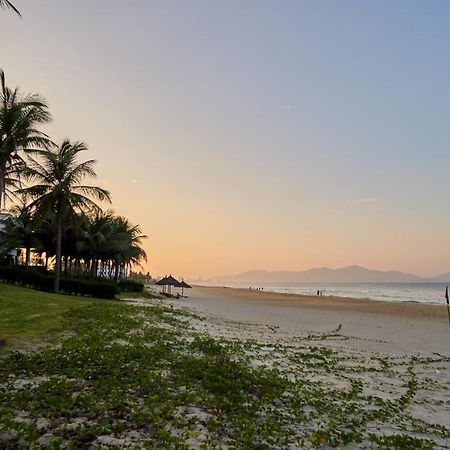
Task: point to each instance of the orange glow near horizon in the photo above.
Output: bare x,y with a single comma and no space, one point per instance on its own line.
242,136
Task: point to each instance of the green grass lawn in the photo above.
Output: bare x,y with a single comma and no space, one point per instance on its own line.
28,316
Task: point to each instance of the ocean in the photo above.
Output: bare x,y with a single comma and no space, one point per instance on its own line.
393,292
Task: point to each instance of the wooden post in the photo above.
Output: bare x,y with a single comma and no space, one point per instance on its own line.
448,313
448,306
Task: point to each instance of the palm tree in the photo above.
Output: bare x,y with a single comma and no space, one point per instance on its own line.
94,239
125,244
20,233
45,236
6,4
110,243
59,189
19,117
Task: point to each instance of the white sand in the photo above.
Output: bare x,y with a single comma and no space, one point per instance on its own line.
388,328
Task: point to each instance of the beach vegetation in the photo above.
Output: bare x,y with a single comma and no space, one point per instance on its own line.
402,441
115,374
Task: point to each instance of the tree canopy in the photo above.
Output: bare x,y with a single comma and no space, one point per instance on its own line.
55,213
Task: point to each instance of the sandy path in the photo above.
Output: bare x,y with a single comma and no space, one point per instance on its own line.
382,327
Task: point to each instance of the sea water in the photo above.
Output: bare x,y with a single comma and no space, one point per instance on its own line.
393,292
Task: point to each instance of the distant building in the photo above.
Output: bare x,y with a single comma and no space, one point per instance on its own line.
110,272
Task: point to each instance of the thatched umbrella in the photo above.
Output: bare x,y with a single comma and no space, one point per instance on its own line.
183,285
168,281
162,283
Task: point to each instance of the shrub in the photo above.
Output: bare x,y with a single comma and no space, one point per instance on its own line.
44,282
94,288
130,285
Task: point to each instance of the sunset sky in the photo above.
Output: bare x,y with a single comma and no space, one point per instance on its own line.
277,135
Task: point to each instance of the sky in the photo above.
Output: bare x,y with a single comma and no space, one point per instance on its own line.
277,135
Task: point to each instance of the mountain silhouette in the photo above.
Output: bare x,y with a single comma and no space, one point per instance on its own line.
349,274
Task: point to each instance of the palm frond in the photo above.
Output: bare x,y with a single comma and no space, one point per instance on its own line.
19,117
6,4
96,192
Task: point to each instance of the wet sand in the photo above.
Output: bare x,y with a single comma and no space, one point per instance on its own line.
437,312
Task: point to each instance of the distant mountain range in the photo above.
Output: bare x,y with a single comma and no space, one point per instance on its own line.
350,274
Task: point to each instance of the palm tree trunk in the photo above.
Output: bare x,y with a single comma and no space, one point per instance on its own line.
2,183
27,256
59,226
94,268
66,262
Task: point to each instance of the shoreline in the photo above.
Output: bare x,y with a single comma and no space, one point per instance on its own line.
336,303
422,293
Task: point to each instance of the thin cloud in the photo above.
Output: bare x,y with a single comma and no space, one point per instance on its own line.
364,200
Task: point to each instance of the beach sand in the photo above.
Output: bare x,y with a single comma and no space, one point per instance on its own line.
387,357
386,327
